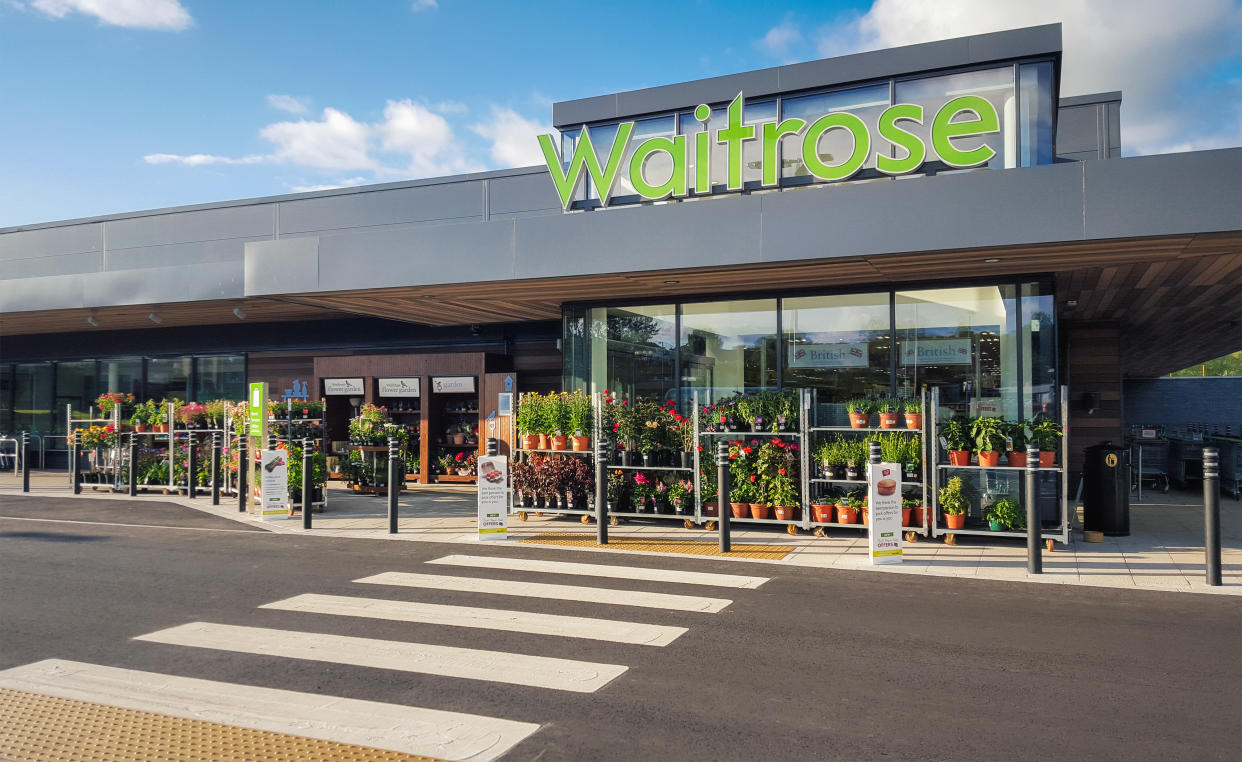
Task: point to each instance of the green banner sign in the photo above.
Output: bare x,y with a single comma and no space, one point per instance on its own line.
257,407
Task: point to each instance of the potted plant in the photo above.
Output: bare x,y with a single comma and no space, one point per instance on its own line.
581,420
986,431
887,408
859,410
1015,442
908,504
558,419
847,509
1005,513
740,495
787,411
865,510
139,419
526,420
783,495
824,512
110,400
680,497
644,491
856,453
956,435
709,489
1044,434
913,408
953,503
916,512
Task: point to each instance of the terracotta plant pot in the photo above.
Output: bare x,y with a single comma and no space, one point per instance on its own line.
161,428
914,420
459,439
140,428
866,516
786,512
559,442
709,509
823,513
543,442
916,516
847,514
989,459
759,510
1017,459
888,420
905,516
740,510
530,442
859,420
580,443
955,520
959,457
1047,459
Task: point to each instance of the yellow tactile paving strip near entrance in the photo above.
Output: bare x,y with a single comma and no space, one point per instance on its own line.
39,728
693,547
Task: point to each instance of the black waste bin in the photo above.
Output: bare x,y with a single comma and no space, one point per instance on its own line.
1106,490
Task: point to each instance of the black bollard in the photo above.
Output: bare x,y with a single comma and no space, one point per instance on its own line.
76,479
191,476
1034,553
243,473
601,492
215,468
874,452
25,461
1211,514
133,465
394,456
308,480
722,494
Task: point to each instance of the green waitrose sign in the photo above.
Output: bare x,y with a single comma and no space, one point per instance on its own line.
962,117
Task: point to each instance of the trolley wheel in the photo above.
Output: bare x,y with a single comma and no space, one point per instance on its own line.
950,539
538,514
1052,545
709,526
688,524
522,516
1165,486
821,532
912,536
585,519
613,521
167,491
791,529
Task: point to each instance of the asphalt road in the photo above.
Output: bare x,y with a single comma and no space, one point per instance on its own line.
814,664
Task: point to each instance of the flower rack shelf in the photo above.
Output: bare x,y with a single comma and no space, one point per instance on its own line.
455,479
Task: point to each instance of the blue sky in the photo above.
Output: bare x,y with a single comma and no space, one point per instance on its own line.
119,105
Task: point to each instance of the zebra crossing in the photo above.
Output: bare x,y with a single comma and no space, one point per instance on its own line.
394,727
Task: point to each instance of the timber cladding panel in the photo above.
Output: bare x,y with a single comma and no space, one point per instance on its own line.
1093,367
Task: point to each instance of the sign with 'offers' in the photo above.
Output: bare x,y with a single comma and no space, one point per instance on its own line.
851,355
884,509
493,497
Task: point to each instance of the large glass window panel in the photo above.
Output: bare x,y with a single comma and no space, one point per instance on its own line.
632,351
169,378
222,377
1040,391
32,398
996,85
1036,100
6,398
120,376
658,166
836,145
963,340
840,345
569,143
752,150
728,347
75,385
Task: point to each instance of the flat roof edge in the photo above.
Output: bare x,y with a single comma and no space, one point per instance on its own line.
1112,96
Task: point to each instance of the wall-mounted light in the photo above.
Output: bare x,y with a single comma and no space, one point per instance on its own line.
991,261
155,318
237,312
671,282
1071,302
92,321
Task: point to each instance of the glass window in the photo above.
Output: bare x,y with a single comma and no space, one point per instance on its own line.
996,85
6,398
221,377
964,341
752,150
120,376
728,347
75,385
835,146
659,165
32,398
169,378
569,142
839,345
632,350
1040,389
1036,102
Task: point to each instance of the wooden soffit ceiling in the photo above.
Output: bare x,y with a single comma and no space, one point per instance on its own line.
171,315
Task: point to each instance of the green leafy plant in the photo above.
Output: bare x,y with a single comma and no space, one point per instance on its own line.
887,405
1016,431
527,415
1045,433
1008,513
912,405
987,433
951,499
560,414
956,433
860,405
581,413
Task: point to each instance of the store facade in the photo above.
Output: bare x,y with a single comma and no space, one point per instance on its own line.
934,216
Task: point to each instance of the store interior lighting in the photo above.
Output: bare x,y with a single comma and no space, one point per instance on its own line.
154,318
237,312
92,321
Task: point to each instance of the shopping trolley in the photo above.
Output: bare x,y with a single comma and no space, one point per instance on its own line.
1230,465
1149,459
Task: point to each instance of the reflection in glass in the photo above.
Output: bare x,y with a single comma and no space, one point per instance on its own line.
838,344
32,398
120,376
75,385
752,150
6,398
632,351
1036,89
835,146
728,347
996,85
221,377
169,378
659,165
1039,353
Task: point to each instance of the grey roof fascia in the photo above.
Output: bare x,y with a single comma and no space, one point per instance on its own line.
828,72
1113,96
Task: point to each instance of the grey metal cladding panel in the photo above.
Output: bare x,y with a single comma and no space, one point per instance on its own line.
524,193
717,232
1077,129
184,283
287,266
872,65
984,208
185,227
50,293
570,113
1091,155
690,94
445,201
198,252
524,215
1166,194
411,256
1114,129
999,46
1070,101
47,242
65,264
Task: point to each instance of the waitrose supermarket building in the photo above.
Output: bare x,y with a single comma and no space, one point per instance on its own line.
937,216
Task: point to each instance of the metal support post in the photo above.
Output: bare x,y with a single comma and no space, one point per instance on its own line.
1211,514
243,475
394,458
722,494
1034,553
601,492
25,461
73,457
308,480
215,468
191,476
133,465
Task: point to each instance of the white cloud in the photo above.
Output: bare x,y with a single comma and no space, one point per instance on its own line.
413,129
139,14
337,141
290,103
513,138
200,159
418,6
781,39
1155,52
348,182
450,107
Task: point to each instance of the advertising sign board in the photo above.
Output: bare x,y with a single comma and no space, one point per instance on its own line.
343,386
274,484
399,387
884,508
452,384
493,497
936,352
844,355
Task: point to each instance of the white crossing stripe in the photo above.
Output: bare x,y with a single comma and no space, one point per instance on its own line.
449,661
543,590
633,633
407,729
600,570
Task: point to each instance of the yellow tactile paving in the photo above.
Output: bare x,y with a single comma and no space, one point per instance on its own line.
694,547
39,728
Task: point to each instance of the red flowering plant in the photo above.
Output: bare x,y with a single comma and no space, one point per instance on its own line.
777,466
743,476
109,400
97,437
464,461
